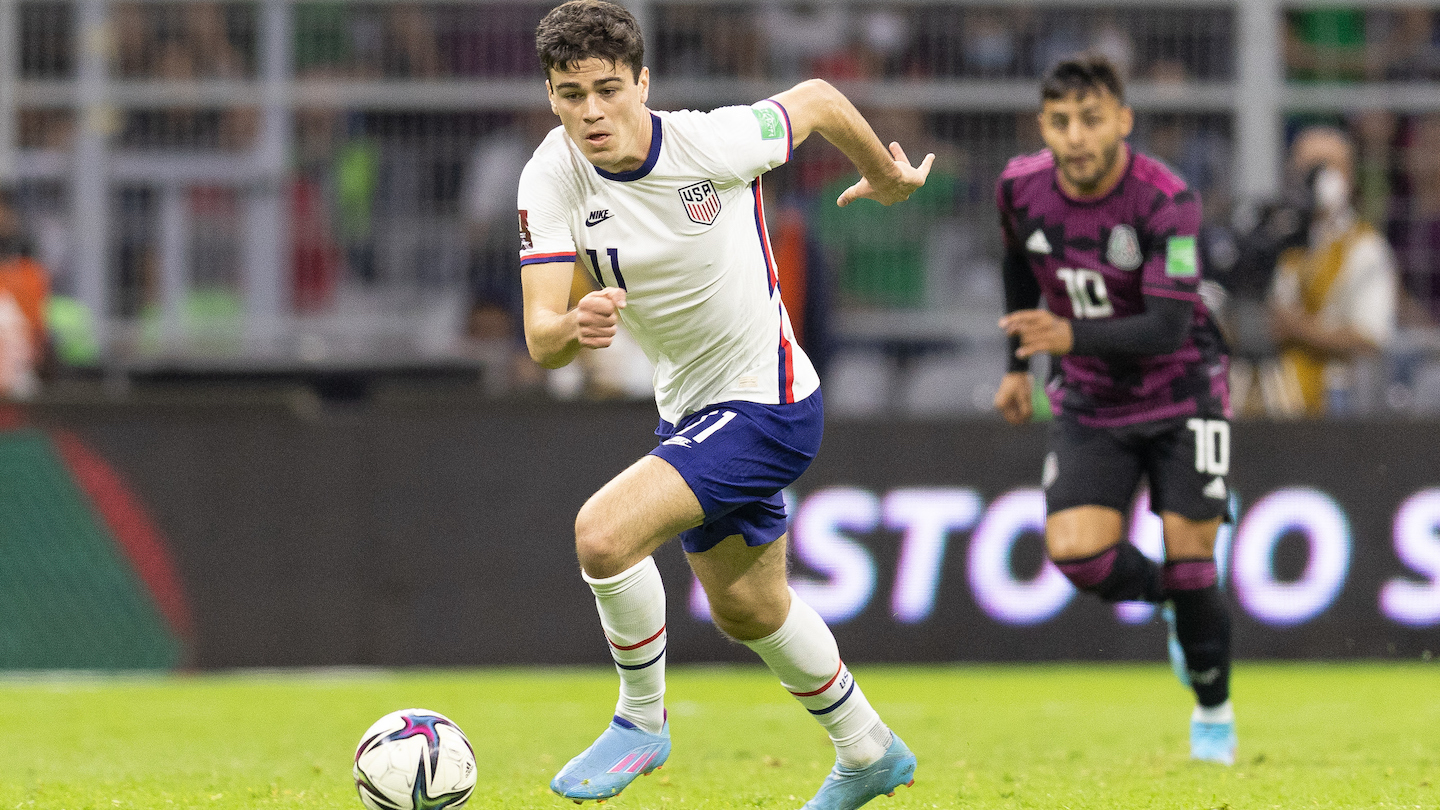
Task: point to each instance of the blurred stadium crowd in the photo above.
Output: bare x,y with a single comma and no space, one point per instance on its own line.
387,139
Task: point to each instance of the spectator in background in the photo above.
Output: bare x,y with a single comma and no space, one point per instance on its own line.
1414,48
1334,302
413,50
1331,44
487,200
880,255
24,293
989,46
1375,132
1415,224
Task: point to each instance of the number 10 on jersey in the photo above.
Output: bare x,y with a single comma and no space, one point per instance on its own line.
1086,288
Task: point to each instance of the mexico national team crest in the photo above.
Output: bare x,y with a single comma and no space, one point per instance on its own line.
1124,248
702,202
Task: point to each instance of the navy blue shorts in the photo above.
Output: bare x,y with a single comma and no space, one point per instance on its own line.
736,457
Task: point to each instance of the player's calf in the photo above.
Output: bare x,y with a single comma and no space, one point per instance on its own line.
1120,573
1202,624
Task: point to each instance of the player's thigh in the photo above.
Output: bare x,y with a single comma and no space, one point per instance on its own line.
1188,464
632,515
1089,478
734,454
1082,531
746,585
1187,539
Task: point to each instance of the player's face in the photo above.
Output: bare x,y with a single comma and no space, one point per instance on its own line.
1085,133
602,107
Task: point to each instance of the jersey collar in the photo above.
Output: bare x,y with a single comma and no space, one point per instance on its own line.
650,159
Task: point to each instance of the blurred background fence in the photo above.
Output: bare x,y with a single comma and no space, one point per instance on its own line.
238,187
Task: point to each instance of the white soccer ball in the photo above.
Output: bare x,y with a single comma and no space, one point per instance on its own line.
414,759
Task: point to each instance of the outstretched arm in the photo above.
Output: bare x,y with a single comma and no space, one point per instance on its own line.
886,176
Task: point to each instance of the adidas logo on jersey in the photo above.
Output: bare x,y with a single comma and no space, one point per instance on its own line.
1037,243
597,217
1215,489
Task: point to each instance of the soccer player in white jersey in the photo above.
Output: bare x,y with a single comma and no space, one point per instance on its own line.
664,211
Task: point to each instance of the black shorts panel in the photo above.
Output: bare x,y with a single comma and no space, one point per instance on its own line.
1089,466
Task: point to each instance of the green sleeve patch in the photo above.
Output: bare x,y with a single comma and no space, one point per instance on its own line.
1180,261
771,127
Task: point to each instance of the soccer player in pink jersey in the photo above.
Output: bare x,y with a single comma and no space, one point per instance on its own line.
1107,236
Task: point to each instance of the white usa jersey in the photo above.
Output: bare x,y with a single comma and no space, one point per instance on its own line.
684,236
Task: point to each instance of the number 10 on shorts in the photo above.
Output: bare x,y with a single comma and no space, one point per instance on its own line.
1212,445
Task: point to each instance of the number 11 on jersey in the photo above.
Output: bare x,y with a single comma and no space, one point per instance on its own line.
614,254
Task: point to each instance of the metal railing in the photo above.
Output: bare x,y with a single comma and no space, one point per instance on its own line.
84,131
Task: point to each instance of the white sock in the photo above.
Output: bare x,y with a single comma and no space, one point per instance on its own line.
632,611
1224,713
804,655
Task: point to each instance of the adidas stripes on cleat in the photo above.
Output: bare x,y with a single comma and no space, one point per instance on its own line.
844,789
618,756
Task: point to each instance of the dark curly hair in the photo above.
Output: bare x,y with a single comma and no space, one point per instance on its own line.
1082,74
584,29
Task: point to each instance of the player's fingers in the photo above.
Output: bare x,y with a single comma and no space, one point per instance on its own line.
924,167
851,194
616,296
597,303
898,153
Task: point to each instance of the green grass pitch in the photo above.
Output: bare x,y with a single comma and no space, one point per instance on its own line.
1064,736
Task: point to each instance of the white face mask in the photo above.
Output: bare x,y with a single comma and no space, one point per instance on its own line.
1332,191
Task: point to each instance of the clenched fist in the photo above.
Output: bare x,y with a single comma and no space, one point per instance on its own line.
597,316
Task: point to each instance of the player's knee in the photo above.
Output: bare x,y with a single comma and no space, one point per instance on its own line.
743,616
1120,573
598,545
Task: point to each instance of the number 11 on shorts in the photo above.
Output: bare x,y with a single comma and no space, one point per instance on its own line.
1212,445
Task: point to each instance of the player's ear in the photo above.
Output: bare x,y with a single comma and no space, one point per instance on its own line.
550,94
644,82
1127,120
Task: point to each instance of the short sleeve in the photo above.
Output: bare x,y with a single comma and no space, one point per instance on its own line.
752,140
543,219
1172,255
1372,295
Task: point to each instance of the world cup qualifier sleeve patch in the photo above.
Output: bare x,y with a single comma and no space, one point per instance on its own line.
771,127
1180,259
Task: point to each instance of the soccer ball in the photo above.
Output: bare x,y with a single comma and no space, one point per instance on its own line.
414,759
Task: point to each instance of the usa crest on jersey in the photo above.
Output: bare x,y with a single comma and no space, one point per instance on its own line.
702,202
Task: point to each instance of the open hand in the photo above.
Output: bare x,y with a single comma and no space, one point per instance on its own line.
890,190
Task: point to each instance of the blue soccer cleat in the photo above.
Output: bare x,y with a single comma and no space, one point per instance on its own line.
621,753
1172,644
844,789
1213,742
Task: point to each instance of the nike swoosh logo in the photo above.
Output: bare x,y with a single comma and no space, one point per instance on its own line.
597,217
